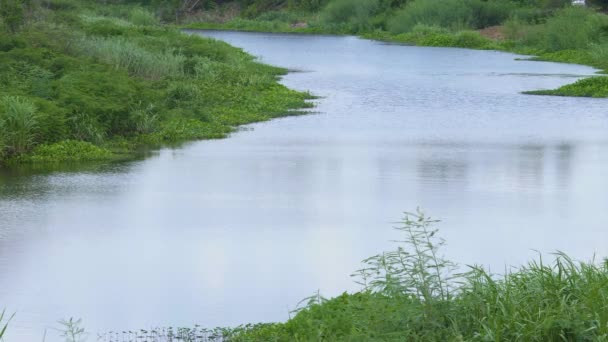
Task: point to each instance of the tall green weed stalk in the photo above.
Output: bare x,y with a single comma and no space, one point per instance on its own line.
415,268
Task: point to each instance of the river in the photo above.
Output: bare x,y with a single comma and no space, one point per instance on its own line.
240,230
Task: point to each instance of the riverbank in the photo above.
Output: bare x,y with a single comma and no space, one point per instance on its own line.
82,82
412,293
567,35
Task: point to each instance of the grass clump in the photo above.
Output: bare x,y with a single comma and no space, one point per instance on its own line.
126,55
450,14
18,124
414,294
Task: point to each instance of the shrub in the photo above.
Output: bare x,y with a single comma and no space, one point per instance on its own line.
353,13
103,96
451,14
18,124
573,28
12,13
490,12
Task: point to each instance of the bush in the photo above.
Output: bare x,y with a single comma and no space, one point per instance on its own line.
355,14
451,14
573,28
18,124
12,13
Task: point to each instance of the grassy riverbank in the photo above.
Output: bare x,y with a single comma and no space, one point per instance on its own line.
86,82
548,30
413,294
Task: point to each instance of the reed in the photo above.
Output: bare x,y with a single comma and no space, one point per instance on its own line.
124,54
18,124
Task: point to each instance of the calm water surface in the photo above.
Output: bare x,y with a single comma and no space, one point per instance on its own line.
239,230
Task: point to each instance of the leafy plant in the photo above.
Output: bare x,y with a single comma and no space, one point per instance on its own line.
18,124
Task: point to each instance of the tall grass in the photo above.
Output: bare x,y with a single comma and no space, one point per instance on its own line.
414,294
124,54
573,28
450,14
18,124
353,14
141,16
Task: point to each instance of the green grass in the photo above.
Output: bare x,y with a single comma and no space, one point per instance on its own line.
423,35
589,87
65,151
113,75
18,124
413,294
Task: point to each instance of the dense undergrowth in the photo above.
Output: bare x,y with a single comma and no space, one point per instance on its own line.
551,30
79,80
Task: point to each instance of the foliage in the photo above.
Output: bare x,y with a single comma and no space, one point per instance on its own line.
602,4
573,28
451,14
12,13
355,14
142,17
414,294
424,35
589,87
65,151
18,124
113,74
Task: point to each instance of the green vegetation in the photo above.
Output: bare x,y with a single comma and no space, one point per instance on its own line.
414,294
552,30
79,80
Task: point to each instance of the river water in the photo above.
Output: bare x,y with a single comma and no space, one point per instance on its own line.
239,230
